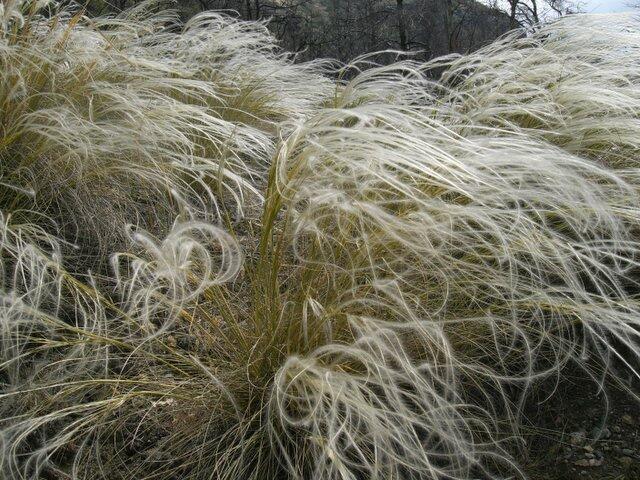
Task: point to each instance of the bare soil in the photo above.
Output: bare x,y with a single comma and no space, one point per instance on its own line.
582,432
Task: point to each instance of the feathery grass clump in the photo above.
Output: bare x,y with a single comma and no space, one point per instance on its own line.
411,274
574,83
135,119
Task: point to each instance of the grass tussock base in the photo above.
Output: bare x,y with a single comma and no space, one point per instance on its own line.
220,264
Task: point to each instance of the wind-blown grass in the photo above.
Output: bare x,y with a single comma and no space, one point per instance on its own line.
573,83
133,120
411,274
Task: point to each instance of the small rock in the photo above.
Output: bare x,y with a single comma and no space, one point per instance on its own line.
186,342
627,451
589,455
588,462
625,461
588,448
577,438
628,419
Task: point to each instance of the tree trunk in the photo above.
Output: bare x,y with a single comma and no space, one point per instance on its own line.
449,29
512,15
401,25
534,11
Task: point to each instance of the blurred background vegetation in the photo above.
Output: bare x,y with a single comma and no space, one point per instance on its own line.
345,29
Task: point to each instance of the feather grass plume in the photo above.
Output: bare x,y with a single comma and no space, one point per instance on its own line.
135,119
421,257
573,83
